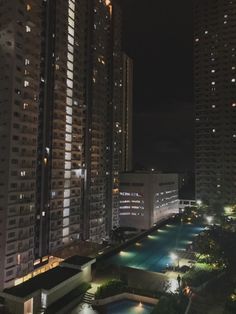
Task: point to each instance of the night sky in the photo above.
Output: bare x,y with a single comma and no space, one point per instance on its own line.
158,36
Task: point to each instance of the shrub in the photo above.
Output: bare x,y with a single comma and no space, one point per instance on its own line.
110,288
171,304
196,277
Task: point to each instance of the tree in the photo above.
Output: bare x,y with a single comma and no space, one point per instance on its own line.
219,245
171,304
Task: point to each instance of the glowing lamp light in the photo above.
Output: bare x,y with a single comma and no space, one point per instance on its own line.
209,219
199,202
139,307
173,256
228,210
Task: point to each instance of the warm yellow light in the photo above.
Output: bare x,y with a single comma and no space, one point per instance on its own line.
108,4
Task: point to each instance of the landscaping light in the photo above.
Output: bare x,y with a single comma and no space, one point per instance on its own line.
209,219
228,210
199,202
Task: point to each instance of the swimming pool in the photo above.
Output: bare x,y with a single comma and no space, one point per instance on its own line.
128,307
152,253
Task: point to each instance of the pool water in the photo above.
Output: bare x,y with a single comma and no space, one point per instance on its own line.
129,307
152,253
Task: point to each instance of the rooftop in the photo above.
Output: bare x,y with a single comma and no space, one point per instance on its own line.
78,260
47,281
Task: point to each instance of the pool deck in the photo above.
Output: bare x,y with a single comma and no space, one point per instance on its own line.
152,250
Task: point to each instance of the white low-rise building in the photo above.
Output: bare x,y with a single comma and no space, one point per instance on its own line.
146,198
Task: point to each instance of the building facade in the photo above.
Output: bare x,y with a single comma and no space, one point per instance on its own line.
215,101
146,198
61,99
20,80
127,125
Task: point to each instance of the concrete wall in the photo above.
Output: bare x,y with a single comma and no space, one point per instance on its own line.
64,288
145,280
125,296
14,306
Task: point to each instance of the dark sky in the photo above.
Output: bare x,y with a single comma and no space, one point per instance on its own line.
158,36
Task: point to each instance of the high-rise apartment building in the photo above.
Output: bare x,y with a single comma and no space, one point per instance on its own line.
20,86
215,101
61,98
127,126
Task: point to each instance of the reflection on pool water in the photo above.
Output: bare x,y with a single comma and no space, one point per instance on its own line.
129,307
153,252
84,309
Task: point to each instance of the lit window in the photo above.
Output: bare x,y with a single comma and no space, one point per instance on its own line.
213,106
213,83
197,40
27,61
28,7
27,29
234,105
206,32
213,130
25,105
22,173
213,71
233,80
26,83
